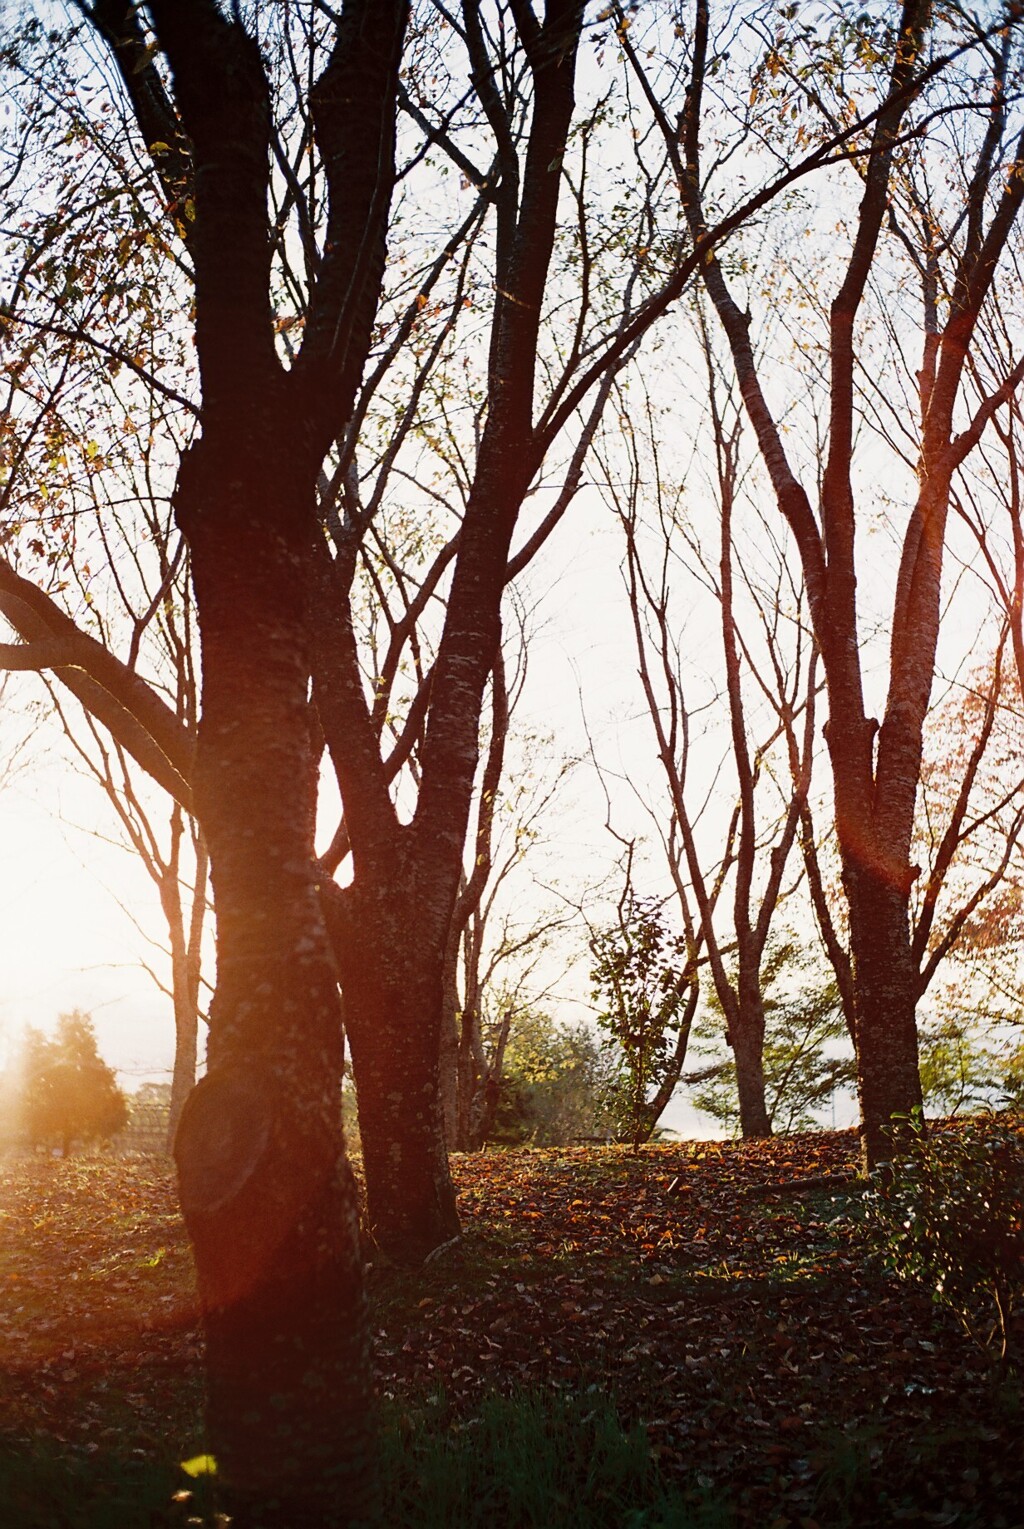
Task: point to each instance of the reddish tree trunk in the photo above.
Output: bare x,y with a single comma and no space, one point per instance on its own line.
885,996
186,967
747,1034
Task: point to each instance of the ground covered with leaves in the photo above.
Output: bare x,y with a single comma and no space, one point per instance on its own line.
721,1300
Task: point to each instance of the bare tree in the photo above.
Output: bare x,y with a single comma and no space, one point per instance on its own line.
876,767
174,857
267,1193
666,558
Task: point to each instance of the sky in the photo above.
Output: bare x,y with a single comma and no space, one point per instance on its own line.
65,942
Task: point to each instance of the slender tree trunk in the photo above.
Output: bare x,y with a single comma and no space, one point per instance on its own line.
885,994
747,1034
657,1106
268,1197
186,958
473,1074
186,1047
487,1076
485,1112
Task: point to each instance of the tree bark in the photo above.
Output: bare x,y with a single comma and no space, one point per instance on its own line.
747,1036
392,980
885,998
267,1193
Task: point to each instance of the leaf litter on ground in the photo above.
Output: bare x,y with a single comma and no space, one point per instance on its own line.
724,1295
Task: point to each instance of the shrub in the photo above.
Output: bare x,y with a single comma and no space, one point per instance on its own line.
951,1218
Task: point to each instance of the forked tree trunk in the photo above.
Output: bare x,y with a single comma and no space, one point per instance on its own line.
470,1085
479,1079
268,1197
266,1190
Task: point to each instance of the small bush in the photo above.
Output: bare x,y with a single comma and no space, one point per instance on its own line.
951,1219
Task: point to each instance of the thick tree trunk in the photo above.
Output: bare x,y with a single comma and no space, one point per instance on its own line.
885,992
271,1208
267,1193
393,1012
755,1122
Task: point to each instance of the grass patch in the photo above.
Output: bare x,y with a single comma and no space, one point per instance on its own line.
42,1487
531,1460
526,1460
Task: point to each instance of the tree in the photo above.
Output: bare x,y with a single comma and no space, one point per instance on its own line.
68,1093
806,1047
494,949
958,1074
506,124
274,197
265,1187
168,858
556,1085
267,1193
646,991
94,434
954,243
775,658
149,1109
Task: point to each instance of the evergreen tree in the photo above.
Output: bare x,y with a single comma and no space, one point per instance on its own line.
69,1093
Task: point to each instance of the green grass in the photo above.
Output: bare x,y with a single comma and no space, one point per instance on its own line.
42,1487
530,1461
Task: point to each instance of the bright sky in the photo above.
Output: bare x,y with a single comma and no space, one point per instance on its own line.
64,942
